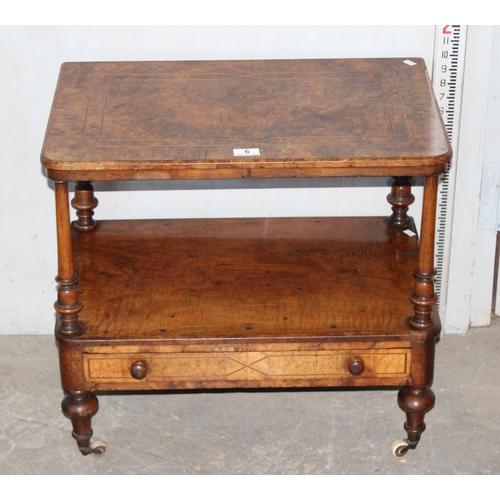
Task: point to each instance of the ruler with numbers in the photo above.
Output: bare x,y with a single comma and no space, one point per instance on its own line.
447,81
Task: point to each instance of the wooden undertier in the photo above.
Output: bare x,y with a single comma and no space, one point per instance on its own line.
246,302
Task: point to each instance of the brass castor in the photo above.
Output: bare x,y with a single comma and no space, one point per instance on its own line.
96,449
402,446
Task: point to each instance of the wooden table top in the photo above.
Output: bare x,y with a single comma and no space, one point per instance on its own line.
193,120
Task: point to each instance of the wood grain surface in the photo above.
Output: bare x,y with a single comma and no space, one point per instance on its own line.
182,120
273,368
213,279
245,303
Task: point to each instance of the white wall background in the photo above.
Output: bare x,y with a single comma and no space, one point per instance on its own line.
30,57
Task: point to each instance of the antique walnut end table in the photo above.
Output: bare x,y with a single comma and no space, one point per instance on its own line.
245,303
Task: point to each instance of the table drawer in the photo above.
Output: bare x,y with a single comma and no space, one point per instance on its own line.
247,366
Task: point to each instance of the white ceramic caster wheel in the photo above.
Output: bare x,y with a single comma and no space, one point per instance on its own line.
99,448
398,448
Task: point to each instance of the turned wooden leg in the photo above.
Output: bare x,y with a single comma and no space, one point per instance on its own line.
79,404
400,198
68,304
423,297
80,407
84,203
415,402
416,399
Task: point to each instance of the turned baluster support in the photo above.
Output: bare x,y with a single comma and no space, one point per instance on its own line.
416,399
423,297
84,203
80,407
415,402
68,304
79,404
400,198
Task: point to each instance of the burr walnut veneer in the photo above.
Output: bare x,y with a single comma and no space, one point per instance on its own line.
245,303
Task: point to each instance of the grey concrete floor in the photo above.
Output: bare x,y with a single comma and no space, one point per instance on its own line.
286,432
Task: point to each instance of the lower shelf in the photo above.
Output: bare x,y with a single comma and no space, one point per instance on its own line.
276,280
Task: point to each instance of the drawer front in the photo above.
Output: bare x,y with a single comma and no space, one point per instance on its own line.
247,366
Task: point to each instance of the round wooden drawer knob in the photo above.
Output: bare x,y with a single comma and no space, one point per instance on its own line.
139,370
356,367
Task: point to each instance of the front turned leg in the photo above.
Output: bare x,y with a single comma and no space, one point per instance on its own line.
80,407
423,297
416,399
68,303
415,402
